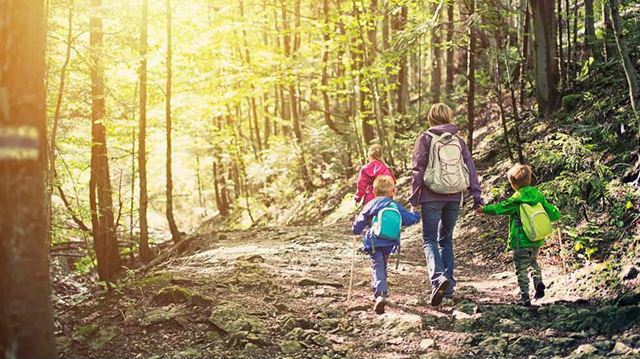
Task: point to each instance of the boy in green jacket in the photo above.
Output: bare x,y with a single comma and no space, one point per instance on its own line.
525,251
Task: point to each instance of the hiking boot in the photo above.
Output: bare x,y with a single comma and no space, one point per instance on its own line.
437,294
539,291
379,305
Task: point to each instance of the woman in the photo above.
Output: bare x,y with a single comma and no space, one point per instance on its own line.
440,204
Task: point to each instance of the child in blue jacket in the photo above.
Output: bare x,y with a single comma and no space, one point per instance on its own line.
379,249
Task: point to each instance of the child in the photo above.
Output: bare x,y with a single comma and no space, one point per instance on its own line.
378,248
368,174
525,251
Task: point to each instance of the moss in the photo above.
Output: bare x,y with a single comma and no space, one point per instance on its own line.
570,102
178,294
160,279
83,332
103,337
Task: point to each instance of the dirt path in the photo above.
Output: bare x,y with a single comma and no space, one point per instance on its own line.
275,293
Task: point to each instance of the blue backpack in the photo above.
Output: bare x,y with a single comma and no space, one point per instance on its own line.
387,223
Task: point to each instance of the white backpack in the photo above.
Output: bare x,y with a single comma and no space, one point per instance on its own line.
446,171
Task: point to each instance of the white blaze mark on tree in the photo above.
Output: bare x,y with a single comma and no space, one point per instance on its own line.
19,143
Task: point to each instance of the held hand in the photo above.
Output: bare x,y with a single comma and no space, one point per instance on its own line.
413,209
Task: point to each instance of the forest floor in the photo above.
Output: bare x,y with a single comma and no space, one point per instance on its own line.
272,293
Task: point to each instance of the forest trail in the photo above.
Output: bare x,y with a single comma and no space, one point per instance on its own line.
281,292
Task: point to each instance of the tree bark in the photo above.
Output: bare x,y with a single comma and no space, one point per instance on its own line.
324,82
175,233
56,120
594,46
546,68
450,49
610,48
436,57
627,64
471,78
526,40
399,22
145,252
561,61
26,324
102,217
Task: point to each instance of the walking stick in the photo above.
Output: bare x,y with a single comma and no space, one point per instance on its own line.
398,257
353,263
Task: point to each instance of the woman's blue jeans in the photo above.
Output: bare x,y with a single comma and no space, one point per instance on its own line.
438,220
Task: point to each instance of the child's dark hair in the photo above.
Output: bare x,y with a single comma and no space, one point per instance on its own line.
520,175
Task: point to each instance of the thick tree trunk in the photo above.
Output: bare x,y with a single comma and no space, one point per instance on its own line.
471,78
546,68
175,233
145,252
629,69
104,236
26,320
450,49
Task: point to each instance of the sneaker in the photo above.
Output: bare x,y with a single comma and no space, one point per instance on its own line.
379,305
438,292
539,291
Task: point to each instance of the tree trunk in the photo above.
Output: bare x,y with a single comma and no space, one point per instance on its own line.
594,46
104,237
629,69
450,49
526,40
399,23
145,252
326,103
56,120
26,327
436,58
293,106
546,68
609,42
471,78
175,233
567,68
561,62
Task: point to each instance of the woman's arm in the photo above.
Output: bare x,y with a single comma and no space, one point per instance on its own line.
363,181
419,164
474,183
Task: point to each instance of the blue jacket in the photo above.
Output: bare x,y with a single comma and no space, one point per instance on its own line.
370,210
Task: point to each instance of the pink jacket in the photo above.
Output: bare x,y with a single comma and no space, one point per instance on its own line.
368,174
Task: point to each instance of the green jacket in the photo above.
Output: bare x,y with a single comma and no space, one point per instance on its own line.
511,207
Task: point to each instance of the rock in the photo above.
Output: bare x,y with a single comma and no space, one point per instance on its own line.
304,282
176,294
254,258
229,318
507,325
161,315
584,351
467,307
361,307
329,323
250,347
460,315
426,344
494,345
401,324
629,272
603,345
290,321
290,347
621,348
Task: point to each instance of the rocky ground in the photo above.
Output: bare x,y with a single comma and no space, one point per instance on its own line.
273,293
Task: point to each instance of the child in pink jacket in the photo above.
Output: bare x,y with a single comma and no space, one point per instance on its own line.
368,174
